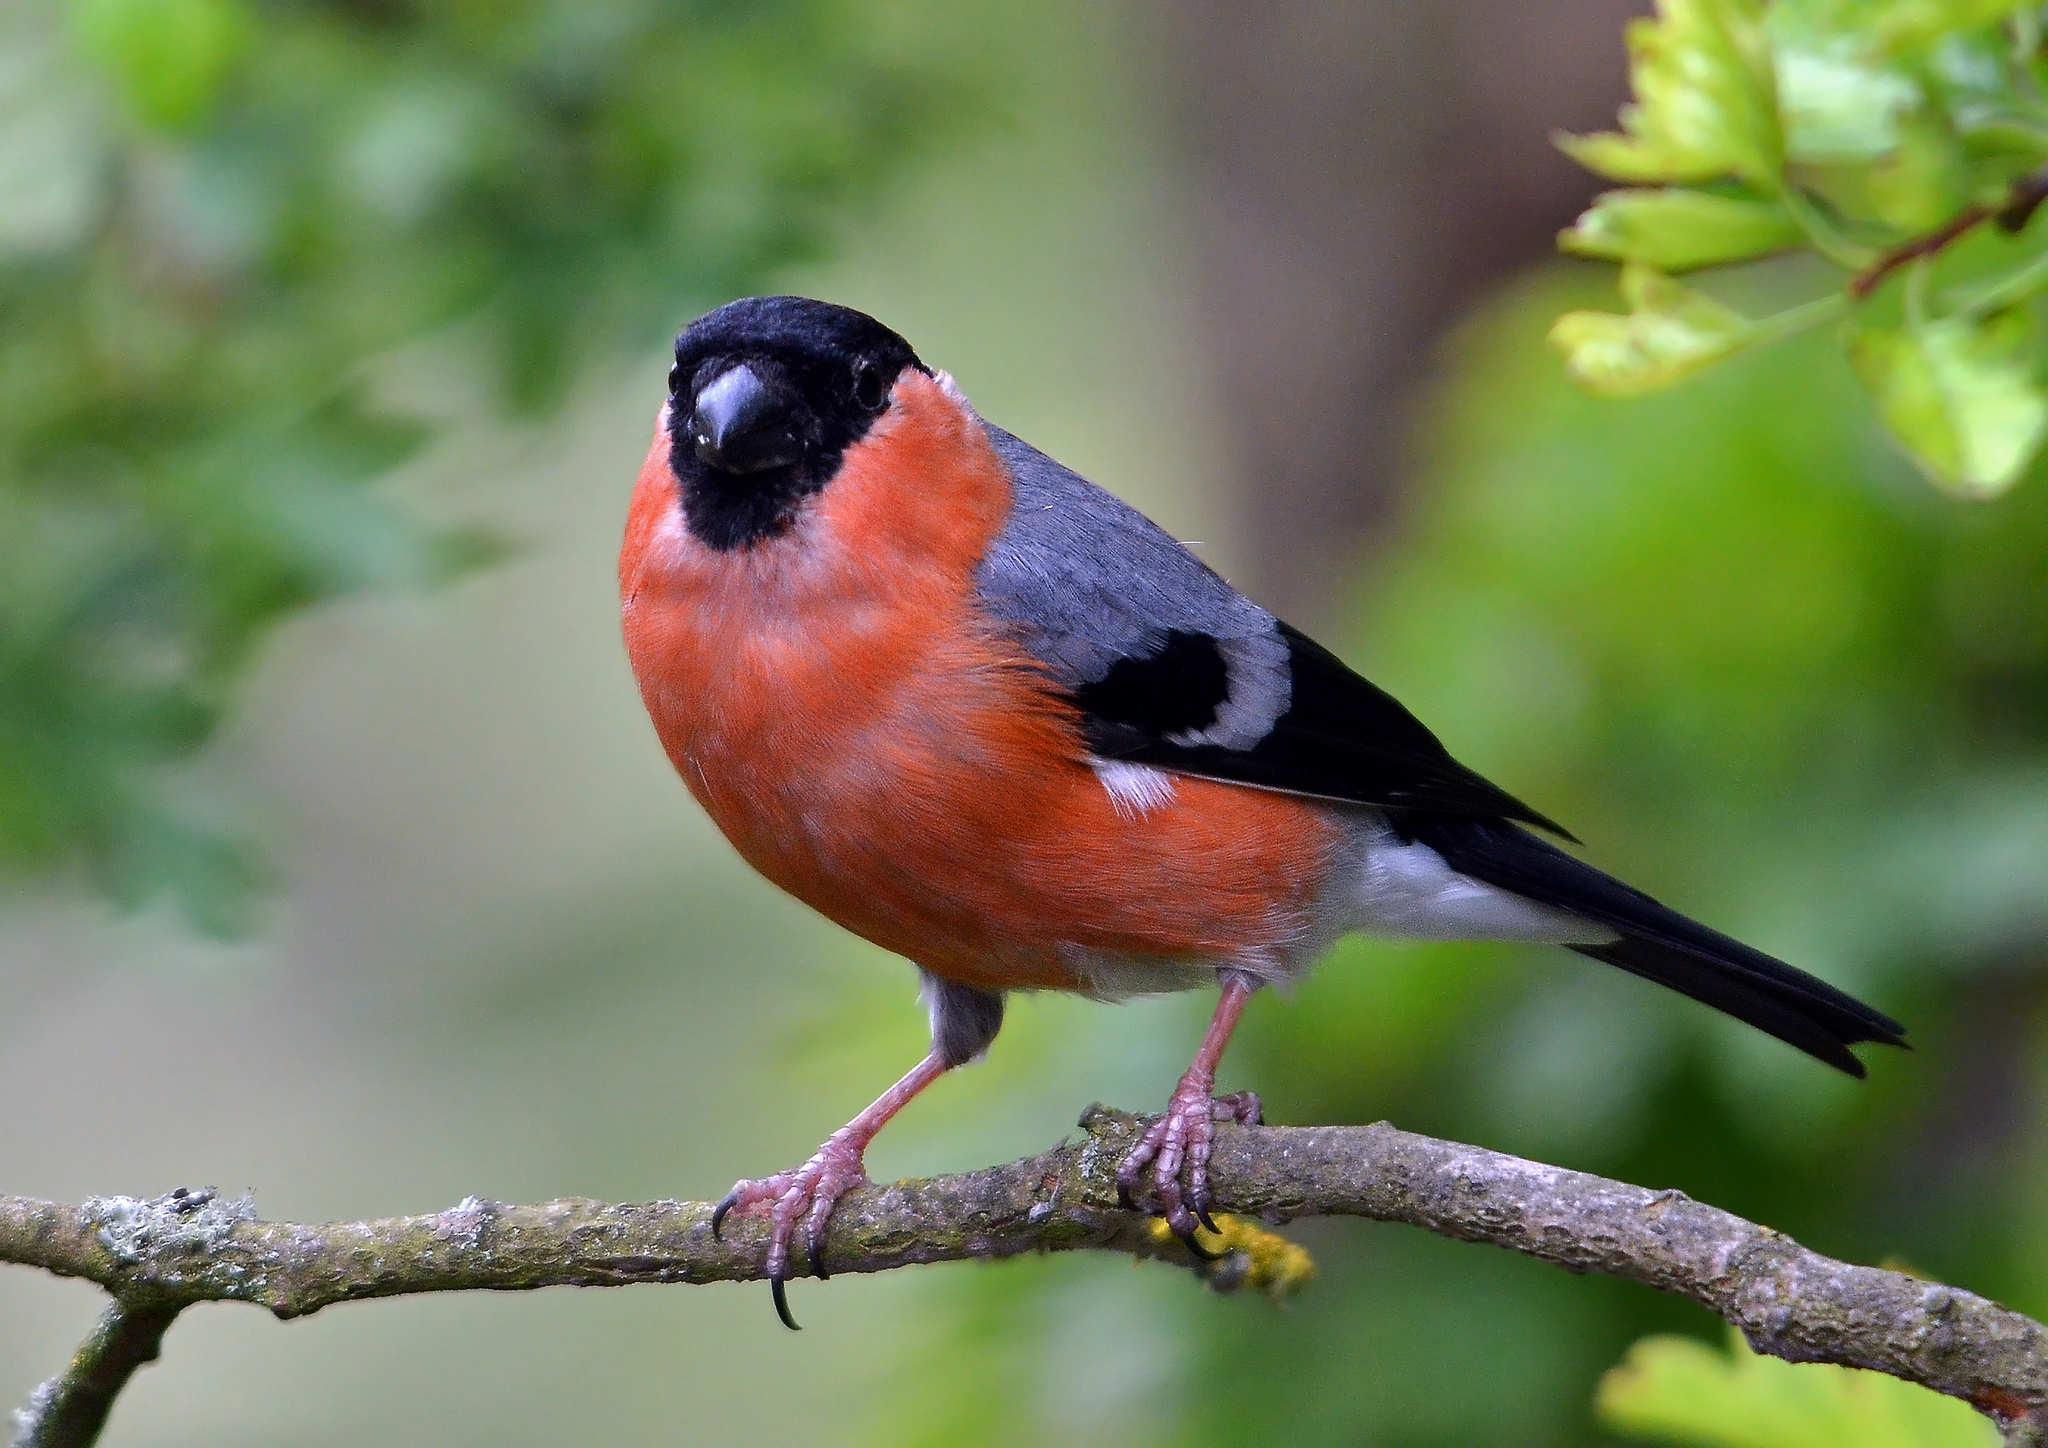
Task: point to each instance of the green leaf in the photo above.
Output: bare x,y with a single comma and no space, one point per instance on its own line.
1837,105
1889,27
1857,80
1678,1390
171,58
1675,229
1907,25
1704,104
1923,182
1960,396
1670,332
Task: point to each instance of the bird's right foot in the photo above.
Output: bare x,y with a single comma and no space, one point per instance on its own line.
806,1194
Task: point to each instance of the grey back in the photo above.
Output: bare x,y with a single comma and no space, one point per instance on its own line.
1090,581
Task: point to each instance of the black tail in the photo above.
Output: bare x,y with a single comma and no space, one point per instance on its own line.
1658,943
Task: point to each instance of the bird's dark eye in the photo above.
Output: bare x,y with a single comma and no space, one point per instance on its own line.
870,386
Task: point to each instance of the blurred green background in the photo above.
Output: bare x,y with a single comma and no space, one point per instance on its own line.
340,862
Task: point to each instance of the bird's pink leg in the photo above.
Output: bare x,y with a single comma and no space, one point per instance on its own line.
810,1191
1181,1138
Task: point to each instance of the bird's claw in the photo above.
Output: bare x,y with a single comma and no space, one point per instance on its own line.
780,1296
1177,1146
807,1193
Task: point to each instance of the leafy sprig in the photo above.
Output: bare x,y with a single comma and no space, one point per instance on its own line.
1905,142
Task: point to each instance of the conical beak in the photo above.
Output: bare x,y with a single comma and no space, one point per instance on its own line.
740,425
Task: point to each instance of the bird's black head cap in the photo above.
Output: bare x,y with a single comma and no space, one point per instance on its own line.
765,396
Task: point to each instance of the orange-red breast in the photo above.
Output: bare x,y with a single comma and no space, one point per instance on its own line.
978,711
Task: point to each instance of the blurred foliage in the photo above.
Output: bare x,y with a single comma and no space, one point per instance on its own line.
1881,135
1726,636
217,216
1677,1390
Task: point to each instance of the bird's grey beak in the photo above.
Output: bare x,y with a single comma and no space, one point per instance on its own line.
741,426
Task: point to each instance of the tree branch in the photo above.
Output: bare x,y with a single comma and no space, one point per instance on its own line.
70,1409
159,1255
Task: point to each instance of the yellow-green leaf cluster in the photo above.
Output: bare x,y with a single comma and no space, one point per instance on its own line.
1677,1390
1883,135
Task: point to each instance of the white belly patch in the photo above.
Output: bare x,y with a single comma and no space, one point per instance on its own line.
1408,891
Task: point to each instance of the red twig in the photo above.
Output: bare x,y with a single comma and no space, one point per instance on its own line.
1968,219
2012,215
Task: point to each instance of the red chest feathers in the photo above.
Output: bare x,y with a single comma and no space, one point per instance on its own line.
869,742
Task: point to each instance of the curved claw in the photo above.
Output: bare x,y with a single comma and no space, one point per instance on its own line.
1189,1240
725,1204
814,1248
1200,1198
781,1296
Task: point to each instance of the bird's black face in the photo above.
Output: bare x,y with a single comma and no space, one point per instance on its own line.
766,395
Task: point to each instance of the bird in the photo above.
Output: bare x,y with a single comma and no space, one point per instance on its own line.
980,712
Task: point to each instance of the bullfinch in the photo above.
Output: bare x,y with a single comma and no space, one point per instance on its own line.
978,711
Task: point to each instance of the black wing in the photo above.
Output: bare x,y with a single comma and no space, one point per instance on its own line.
1340,736
1172,667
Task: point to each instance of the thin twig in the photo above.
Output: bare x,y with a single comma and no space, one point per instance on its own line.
70,1409
1961,224
2012,214
1788,1301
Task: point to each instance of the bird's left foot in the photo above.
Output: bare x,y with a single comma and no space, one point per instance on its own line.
1176,1147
